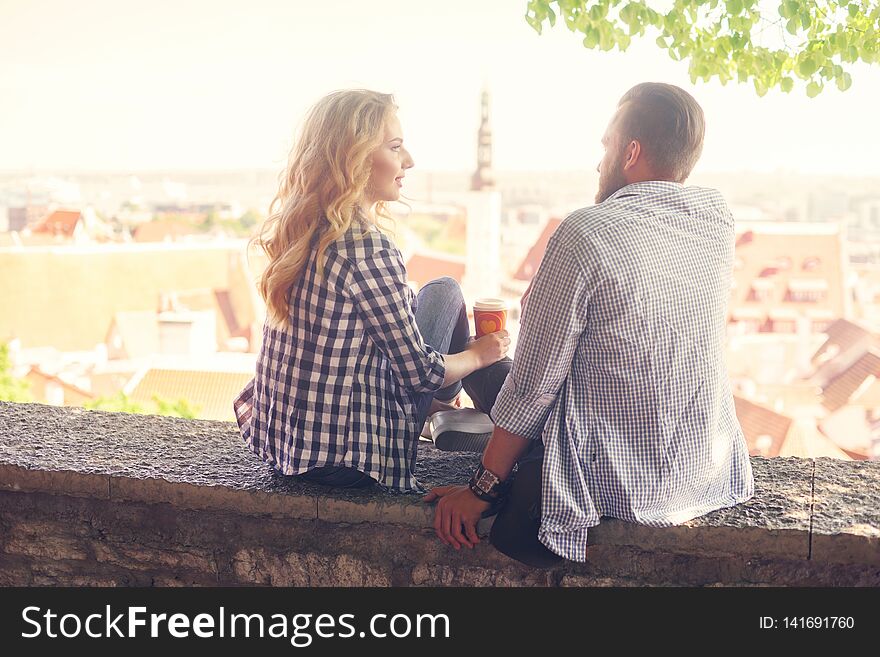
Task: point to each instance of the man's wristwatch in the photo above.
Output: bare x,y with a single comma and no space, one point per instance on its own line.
486,485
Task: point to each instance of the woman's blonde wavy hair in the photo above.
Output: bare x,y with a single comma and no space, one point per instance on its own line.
319,193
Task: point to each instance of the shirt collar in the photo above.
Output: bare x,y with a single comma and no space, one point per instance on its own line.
646,187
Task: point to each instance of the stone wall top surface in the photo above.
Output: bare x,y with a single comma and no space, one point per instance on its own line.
819,509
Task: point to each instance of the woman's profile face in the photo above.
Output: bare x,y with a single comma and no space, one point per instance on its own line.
389,164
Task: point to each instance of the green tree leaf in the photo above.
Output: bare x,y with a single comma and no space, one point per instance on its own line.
180,408
760,87
729,39
807,67
806,19
122,403
12,389
118,403
591,37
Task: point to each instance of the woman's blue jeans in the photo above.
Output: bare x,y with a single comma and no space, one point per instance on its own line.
441,316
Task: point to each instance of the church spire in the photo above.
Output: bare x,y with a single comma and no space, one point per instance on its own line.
483,177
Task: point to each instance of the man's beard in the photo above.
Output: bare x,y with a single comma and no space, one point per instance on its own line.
610,183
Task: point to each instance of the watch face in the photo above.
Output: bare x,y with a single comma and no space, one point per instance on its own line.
486,481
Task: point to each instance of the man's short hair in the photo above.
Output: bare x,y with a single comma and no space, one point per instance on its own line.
668,123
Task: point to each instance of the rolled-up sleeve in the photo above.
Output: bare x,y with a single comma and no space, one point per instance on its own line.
379,290
552,322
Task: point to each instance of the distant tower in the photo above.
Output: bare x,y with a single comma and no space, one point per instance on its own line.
482,273
483,178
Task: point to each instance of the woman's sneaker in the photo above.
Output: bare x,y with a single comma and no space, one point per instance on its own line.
438,405
461,430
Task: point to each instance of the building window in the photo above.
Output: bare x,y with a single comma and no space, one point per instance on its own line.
745,238
811,264
784,326
760,293
747,327
810,290
782,263
743,321
805,296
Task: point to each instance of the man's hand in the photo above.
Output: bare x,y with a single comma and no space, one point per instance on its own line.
457,507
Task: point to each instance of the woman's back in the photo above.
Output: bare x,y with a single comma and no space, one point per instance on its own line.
332,385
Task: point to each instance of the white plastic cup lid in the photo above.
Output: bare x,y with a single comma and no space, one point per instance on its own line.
491,304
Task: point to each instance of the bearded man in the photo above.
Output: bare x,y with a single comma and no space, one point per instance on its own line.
618,402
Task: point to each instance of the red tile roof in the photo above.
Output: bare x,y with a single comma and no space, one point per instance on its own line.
73,395
843,334
533,258
840,390
846,343
60,222
758,421
421,268
227,312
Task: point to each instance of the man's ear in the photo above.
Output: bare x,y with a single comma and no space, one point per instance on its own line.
632,155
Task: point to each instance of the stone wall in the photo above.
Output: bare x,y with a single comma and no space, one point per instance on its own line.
88,497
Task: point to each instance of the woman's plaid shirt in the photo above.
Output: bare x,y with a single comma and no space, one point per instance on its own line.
620,368
333,386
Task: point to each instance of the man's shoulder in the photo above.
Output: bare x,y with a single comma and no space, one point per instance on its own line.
579,227
639,200
709,196
585,220
665,195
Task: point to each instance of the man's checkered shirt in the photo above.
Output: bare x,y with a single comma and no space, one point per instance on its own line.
620,368
333,386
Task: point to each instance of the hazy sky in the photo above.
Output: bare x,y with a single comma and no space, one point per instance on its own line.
215,84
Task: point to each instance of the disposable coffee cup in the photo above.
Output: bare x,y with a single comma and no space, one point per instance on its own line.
490,315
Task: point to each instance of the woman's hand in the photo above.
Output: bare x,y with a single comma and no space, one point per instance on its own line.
490,348
478,354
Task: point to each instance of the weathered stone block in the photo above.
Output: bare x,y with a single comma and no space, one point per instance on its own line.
63,482
216,498
465,575
352,507
147,557
846,512
293,569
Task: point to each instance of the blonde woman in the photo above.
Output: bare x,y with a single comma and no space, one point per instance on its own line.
352,361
